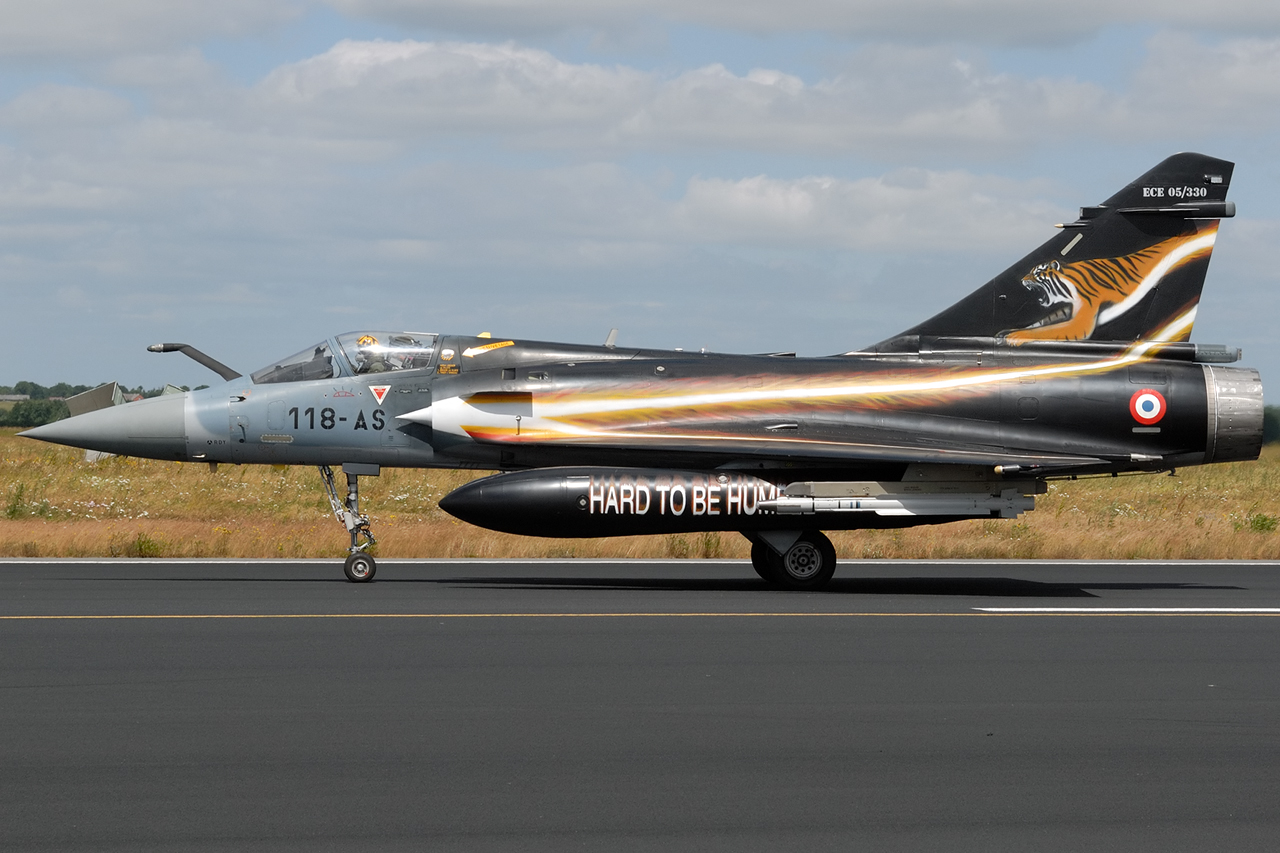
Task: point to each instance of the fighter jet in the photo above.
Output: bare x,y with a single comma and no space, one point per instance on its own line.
1074,361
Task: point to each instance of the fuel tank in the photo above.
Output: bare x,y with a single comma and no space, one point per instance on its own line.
588,502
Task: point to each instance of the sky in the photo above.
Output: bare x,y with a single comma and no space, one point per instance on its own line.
252,176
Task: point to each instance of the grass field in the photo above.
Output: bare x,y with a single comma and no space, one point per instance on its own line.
54,504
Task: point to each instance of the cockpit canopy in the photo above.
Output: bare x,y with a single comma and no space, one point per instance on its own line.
379,352
362,353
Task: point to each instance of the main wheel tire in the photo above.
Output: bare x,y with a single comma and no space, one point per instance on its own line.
766,562
360,568
809,563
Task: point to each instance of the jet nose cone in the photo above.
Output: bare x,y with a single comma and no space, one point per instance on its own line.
153,429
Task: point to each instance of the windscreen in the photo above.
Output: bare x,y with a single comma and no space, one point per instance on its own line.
312,363
381,352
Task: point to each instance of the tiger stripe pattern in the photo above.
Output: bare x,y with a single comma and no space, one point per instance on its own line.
1081,291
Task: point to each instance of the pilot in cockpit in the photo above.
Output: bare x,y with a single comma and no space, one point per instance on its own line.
370,357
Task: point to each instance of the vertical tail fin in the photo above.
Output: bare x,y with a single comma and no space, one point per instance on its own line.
1128,269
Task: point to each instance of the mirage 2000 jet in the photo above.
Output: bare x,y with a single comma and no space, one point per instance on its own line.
1073,361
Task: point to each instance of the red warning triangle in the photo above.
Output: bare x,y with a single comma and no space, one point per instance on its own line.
379,391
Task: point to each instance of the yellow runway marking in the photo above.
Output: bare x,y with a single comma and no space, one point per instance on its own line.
1092,612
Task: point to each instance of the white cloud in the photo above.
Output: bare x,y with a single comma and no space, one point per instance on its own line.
369,100
1187,85
96,29
58,108
376,87
181,74
977,21
274,161
946,211
888,102
892,103
501,185
171,202
77,30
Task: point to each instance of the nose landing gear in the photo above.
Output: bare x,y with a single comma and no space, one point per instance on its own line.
360,566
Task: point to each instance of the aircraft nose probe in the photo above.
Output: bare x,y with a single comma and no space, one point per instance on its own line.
201,358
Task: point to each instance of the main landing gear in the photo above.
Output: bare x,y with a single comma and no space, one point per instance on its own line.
360,566
793,559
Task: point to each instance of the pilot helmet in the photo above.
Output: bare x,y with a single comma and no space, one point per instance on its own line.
368,353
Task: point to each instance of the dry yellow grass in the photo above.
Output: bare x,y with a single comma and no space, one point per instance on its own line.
54,504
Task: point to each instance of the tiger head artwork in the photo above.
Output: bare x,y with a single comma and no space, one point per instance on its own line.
1085,294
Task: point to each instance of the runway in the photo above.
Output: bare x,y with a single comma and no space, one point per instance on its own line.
547,705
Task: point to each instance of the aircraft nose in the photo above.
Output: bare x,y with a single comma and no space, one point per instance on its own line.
152,429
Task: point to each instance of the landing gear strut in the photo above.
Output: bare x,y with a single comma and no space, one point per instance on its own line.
804,560
360,566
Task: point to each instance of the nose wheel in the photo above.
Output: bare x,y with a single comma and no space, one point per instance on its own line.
359,568
360,565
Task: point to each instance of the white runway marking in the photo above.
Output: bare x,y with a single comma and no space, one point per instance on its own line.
1128,609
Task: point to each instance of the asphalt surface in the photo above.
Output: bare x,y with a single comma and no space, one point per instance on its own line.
638,706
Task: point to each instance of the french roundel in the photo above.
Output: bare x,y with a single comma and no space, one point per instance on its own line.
1147,406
